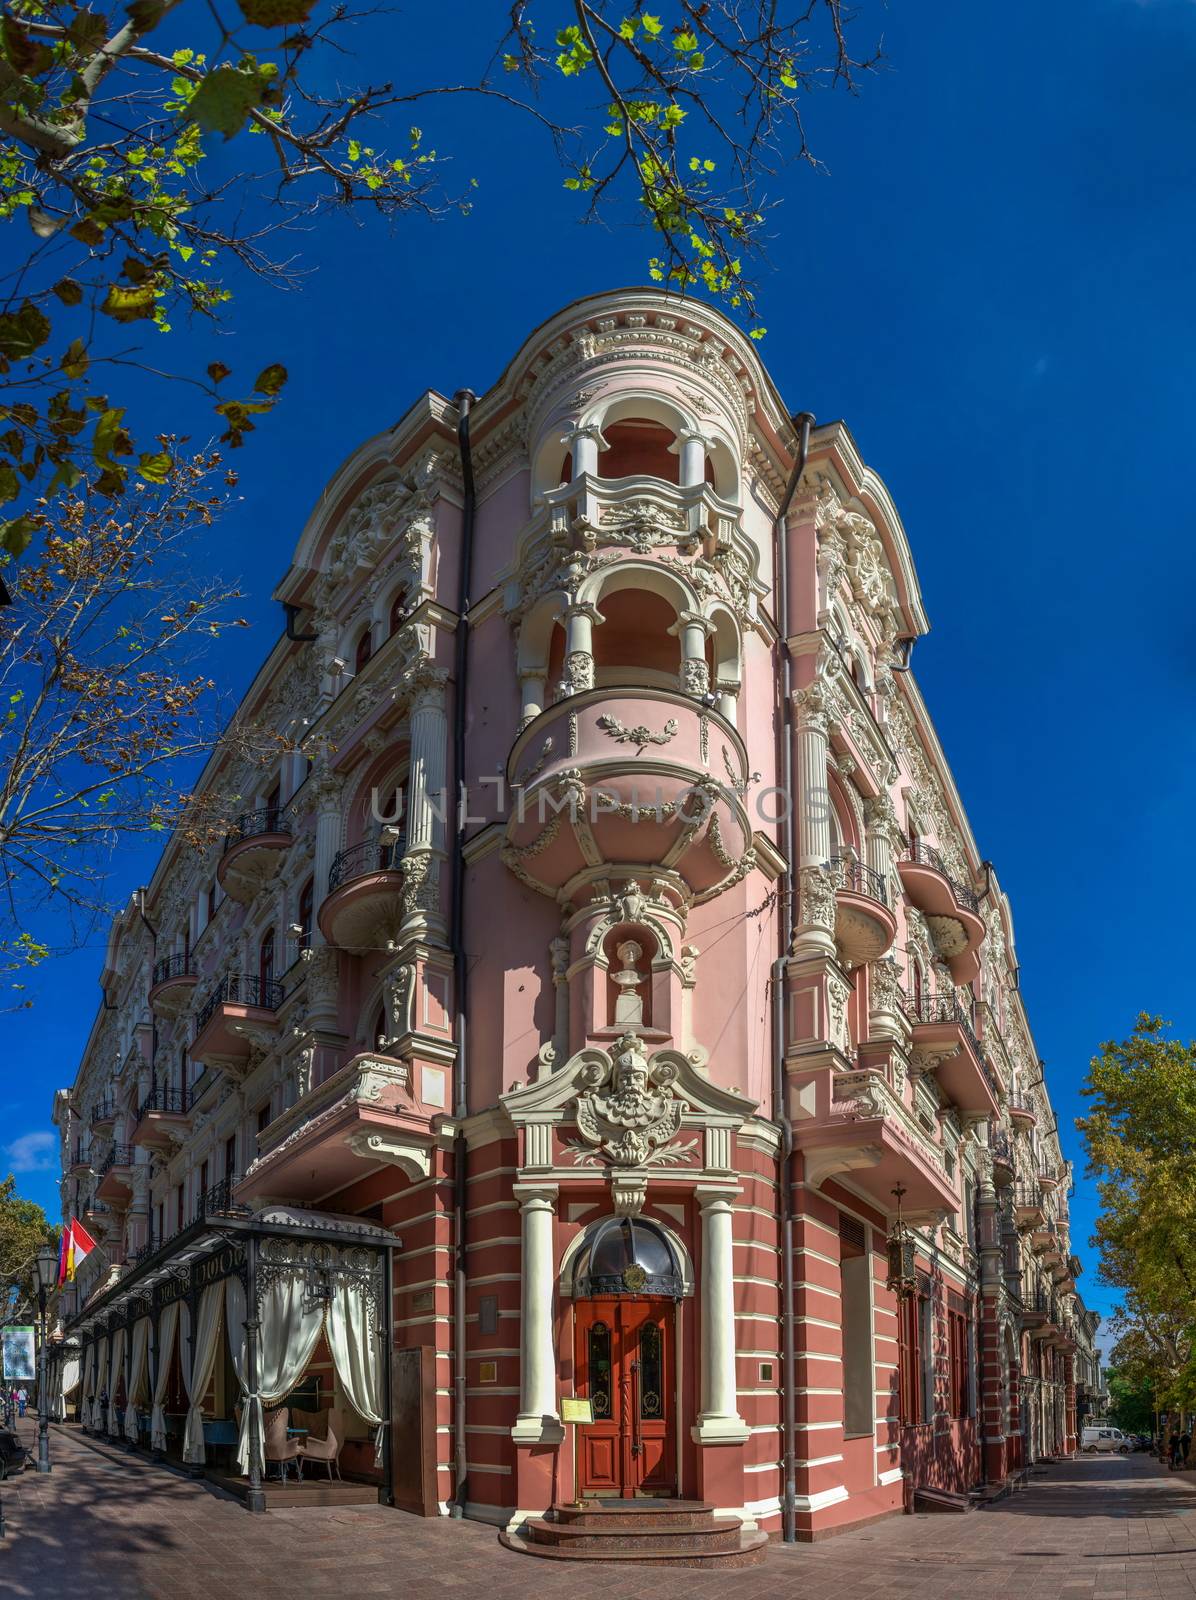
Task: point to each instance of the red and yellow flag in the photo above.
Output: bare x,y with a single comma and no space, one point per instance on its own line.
77,1245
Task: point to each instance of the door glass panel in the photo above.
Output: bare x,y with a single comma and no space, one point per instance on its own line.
598,1360
651,1371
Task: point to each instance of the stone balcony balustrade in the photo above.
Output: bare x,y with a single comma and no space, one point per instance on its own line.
628,779
860,1126
639,510
951,908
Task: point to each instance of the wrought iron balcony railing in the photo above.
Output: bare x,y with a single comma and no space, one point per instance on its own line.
240,989
859,879
927,856
174,1102
252,824
103,1111
218,1200
946,1008
998,1143
121,1155
180,966
371,855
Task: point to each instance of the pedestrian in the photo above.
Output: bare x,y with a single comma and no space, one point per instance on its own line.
1185,1440
1176,1451
22,1401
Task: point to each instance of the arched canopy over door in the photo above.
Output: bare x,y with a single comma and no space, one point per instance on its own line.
628,1255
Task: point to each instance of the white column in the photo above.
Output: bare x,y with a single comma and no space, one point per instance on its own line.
532,695
585,443
693,629
427,803
719,1421
878,842
692,446
579,623
538,1421
326,791
816,908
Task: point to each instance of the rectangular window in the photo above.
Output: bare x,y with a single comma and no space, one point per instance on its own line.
927,1351
859,1401
959,1362
203,1179
911,1361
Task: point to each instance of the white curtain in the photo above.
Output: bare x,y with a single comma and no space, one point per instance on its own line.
135,1400
198,1365
89,1386
168,1324
357,1355
290,1326
71,1370
115,1375
97,1409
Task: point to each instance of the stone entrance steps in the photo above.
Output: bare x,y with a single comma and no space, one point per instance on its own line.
674,1533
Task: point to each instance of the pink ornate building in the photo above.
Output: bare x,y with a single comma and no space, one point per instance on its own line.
615,940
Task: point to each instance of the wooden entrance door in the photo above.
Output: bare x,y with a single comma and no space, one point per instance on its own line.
624,1364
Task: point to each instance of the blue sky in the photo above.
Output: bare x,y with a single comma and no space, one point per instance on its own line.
993,285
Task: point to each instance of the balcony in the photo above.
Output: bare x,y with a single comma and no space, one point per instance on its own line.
1038,1314
1022,1116
364,904
253,848
867,1133
78,1161
1002,1157
163,1119
103,1116
174,978
1048,1179
97,1217
942,1033
115,1175
236,1020
218,1201
865,926
627,782
951,908
1027,1207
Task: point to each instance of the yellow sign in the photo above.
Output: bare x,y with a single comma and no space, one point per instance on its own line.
574,1409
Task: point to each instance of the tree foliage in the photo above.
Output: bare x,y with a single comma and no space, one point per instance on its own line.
104,700
1141,1138
113,123
23,1231
1131,1402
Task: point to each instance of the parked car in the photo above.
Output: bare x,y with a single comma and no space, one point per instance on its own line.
1105,1439
13,1454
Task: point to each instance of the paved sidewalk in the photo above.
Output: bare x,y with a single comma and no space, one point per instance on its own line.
102,1525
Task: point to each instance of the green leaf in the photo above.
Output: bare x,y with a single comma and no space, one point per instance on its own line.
26,54
217,371
155,468
10,486
23,332
271,379
87,31
76,360
145,15
275,13
224,99
652,25
16,534
129,305
68,291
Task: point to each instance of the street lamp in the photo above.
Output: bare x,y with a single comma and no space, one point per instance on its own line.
45,1272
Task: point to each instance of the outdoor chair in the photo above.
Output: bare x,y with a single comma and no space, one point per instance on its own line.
279,1448
328,1449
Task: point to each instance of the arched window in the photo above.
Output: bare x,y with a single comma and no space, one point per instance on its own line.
365,648
304,918
398,610
633,643
265,964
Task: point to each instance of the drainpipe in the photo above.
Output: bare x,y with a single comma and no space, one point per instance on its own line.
292,611
788,920
464,400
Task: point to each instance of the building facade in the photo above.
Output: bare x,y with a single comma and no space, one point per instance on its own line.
609,931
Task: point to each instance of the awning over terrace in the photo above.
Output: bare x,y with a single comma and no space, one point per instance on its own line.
272,1281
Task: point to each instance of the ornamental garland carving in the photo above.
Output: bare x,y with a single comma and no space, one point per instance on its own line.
639,735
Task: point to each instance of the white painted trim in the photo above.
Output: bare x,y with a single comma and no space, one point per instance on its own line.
820,1501
891,1475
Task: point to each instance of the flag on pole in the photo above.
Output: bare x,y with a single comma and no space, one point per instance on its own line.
77,1246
